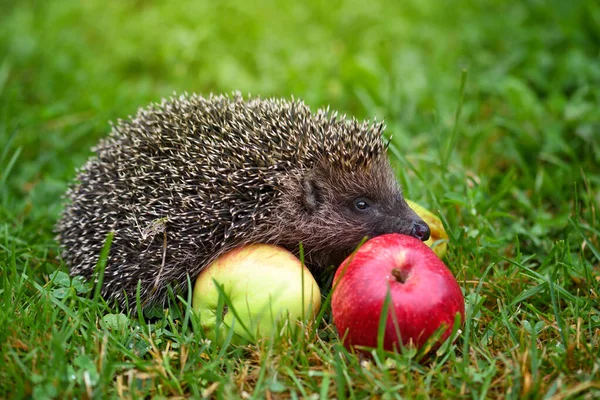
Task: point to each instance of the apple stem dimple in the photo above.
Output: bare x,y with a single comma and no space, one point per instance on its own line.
400,275
225,310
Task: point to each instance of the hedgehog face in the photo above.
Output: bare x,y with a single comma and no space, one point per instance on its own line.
337,209
368,199
380,215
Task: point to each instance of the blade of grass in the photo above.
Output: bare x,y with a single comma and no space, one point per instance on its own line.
454,134
101,266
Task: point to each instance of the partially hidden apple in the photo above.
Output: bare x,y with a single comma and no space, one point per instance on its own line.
438,240
264,284
423,293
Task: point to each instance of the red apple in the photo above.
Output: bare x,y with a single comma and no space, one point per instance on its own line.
424,294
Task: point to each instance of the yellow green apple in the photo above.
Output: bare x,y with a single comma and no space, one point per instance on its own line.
438,240
260,285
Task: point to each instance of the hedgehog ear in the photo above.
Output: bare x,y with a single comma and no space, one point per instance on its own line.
312,194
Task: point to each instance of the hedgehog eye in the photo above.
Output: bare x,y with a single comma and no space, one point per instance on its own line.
361,204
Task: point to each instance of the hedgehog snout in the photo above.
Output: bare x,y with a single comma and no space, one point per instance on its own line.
420,230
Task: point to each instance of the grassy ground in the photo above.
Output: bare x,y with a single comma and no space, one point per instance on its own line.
515,175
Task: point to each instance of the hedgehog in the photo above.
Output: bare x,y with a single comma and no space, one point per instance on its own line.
189,178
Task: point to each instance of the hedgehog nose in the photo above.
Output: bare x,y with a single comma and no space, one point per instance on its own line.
420,230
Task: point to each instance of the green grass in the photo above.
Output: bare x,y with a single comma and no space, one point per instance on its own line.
495,111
